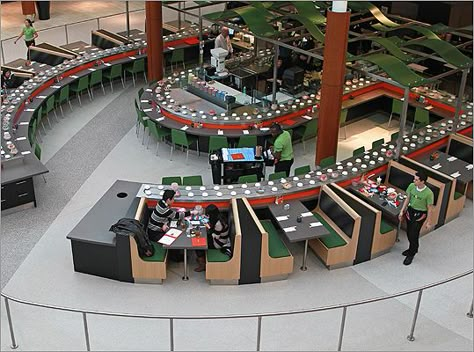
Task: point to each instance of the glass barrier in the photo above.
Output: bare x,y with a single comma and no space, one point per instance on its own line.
81,31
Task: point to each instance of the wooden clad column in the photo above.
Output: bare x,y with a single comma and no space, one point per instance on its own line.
335,47
154,38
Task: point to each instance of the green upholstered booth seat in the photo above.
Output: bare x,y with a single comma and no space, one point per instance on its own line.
332,240
385,227
215,255
457,195
159,256
276,247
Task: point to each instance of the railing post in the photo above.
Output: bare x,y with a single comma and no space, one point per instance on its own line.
86,331
14,346
469,314
3,54
171,335
67,37
417,309
259,332
343,324
98,23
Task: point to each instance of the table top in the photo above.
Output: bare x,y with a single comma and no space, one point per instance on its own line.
377,202
247,153
303,230
185,242
449,165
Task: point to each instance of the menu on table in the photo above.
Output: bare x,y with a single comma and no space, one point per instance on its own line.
170,236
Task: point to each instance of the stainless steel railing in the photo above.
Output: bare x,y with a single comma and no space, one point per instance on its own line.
258,316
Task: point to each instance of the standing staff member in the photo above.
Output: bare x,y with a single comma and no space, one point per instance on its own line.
223,41
418,215
282,149
30,35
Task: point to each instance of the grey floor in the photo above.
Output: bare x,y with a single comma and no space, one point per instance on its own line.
94,145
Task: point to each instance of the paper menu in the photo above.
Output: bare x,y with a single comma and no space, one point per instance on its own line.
166,240
282,218
307,214
436,167
173,233
315,224
290,229
452,158
245,132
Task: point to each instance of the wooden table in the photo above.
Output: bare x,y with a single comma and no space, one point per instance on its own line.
185,242
303,230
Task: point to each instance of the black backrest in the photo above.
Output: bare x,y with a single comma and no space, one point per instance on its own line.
336,213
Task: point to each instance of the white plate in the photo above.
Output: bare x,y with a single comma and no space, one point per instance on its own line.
307,176
274,189
190,194
233,193
219,194
283,180
230,187
312,182
146,186
358,160
244,185
296,178
329,170
428,138
202,188
363,166
271,183
380,159
349,164
257,184
300,184
216,188
161,187
371,162
188,188
205,194
247,191
147,192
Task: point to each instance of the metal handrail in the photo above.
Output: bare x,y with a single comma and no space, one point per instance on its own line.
259,316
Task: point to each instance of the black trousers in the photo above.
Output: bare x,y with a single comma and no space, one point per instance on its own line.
284,165
415,221
29,43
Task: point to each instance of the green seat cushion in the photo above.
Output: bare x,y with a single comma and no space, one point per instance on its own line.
215,255
159,256
276,247
332,240
457,195
385,227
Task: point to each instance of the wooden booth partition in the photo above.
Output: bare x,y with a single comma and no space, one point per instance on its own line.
227,271
144,271
50,54
270,268
400,176
376,236
339,248
455,204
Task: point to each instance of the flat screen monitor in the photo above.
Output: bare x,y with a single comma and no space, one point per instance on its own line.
336,213
231,31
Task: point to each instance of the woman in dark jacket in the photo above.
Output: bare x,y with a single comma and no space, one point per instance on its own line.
217,235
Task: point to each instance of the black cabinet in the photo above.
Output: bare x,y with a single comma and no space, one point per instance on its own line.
18,193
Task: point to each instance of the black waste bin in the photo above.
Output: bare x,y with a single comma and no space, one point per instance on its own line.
216,170
43,9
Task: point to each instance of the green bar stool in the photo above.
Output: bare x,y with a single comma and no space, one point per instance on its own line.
422,118
327,161
115,72
139,94
397,106
141,120
95,79
358,151
171,179
158,133
80,86
62,97
176,57
180,138
38,155
277,176
137,67
302,170
217,142
247,141
342,121
248,179
377,143
306,132
192,180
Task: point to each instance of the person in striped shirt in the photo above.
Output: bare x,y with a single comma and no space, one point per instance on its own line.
162,215
217,235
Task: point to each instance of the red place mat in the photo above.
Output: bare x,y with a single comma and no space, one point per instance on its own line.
237,156
199,241
191,41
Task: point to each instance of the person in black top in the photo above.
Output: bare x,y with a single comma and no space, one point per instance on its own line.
8,80
218,236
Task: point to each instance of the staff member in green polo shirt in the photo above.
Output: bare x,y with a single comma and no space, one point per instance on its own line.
282,149
419,207
30,35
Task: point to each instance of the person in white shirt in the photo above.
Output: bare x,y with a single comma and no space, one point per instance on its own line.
223,41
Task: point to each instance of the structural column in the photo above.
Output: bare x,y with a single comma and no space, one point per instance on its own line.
334,65
154,38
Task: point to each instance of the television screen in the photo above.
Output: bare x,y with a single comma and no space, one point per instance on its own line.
461,151
231,31
336,213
